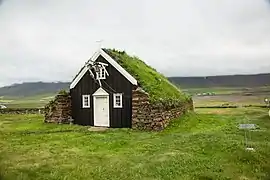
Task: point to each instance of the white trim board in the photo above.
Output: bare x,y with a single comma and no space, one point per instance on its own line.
114,100
88,101
79,77
100,92
119,68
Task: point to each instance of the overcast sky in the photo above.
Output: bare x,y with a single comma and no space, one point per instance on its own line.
49,40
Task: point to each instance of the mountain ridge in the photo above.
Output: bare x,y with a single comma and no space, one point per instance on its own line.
33,88
239,80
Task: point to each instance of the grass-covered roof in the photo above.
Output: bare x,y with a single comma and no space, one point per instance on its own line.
154,83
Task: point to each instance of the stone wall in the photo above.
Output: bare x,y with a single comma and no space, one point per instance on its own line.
146,116
59,110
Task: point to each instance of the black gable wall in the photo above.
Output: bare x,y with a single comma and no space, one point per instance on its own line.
117,83
114,83
83,116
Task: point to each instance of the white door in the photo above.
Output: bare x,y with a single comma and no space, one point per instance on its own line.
101,111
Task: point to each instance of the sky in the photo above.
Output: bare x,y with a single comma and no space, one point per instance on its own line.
51,40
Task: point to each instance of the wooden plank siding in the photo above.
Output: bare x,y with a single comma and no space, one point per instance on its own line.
114,83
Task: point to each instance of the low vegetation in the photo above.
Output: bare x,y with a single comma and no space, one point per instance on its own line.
229,90
37,101
203,145
158,86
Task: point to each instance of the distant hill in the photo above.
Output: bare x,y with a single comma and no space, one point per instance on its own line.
36,88
255,80
33,88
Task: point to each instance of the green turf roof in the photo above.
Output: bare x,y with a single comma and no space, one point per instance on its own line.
155,84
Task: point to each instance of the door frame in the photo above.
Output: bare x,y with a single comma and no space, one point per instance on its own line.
101,93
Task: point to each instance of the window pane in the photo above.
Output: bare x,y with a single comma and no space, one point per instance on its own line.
117,100
86,101
101,74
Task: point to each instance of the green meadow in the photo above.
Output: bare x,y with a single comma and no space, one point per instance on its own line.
36,101
206,144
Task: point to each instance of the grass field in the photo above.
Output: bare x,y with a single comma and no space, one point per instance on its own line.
230,96
37,101
227,90
203,145
237,100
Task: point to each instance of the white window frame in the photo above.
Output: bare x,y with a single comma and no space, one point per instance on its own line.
101,74
88,100
114,100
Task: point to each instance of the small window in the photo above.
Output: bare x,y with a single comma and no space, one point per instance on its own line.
101,74
86,101
117,103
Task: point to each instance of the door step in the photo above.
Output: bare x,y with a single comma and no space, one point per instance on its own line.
95,128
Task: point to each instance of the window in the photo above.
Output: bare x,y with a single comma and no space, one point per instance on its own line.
86,101
117,100
101,74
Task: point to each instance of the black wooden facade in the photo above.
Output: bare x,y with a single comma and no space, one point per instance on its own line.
114,83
